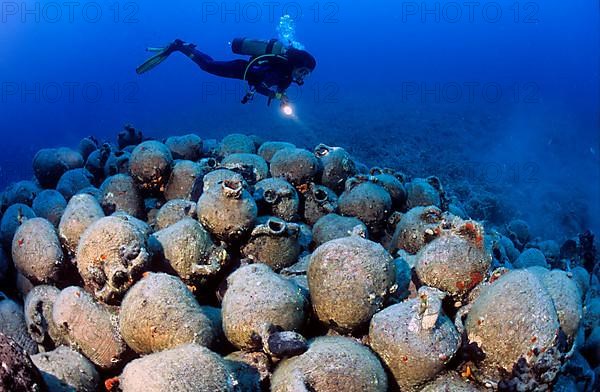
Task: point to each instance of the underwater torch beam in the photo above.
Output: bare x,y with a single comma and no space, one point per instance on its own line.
286,108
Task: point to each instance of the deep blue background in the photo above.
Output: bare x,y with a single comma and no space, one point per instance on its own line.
544,58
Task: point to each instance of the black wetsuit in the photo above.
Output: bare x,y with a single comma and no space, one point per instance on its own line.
268,76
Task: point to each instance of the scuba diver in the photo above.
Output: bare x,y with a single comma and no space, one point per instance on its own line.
270,71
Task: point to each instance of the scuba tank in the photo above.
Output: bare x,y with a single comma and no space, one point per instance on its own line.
257,47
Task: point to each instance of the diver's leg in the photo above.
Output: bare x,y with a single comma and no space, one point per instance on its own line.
227,69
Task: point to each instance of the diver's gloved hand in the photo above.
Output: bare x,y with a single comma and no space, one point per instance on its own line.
281,96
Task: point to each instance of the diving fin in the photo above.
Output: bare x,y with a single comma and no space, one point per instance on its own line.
160,56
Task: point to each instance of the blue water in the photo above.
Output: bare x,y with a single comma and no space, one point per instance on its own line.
501,96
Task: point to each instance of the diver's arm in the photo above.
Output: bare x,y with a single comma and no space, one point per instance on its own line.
269,93
263,89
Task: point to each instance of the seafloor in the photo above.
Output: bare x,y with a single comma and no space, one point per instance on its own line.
335,276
